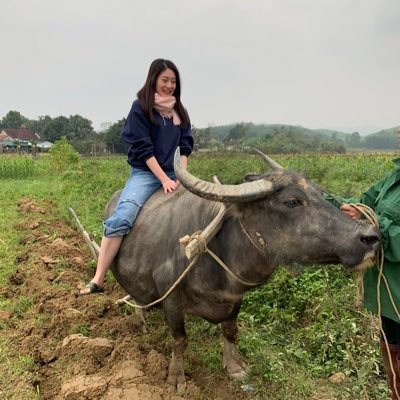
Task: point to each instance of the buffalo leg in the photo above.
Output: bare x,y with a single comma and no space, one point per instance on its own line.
232,360
176,373
138,311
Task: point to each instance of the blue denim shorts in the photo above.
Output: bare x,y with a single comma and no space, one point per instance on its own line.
139,187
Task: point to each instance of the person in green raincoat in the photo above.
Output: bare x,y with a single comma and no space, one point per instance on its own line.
384,198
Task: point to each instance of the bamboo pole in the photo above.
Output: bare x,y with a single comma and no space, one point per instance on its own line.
93,246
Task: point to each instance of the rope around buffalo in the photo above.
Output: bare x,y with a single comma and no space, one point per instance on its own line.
203,249
202,241
168,292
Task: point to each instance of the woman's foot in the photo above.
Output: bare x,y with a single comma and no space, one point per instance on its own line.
91,288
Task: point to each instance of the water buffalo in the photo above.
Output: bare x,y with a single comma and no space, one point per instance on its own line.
275,218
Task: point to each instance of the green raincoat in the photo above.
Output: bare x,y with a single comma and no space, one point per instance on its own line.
384,199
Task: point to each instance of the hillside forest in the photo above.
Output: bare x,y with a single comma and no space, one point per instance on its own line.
270,138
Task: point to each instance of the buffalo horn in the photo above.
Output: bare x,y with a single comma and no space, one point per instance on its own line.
273,164
244,192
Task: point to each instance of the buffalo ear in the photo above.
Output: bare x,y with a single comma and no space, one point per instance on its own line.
252,177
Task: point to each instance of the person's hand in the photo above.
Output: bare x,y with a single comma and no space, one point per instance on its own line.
169,186
351,211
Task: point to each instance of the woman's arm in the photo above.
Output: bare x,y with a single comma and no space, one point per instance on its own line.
168,184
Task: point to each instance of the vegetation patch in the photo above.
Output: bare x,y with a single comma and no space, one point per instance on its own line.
16,167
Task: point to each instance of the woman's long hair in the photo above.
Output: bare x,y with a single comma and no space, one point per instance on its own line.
146,94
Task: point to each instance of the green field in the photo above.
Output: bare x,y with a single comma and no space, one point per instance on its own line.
295,332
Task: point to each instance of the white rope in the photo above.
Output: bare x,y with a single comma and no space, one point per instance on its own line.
204,248
168,292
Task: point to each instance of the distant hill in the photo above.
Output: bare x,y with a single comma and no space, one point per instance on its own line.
281,138
386,132
383,139
329,133
262,130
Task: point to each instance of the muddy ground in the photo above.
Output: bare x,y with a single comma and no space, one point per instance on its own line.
85,347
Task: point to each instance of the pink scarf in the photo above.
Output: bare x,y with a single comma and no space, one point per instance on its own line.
165,106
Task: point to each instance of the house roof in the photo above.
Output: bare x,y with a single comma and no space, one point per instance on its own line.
21,134
8,143
44,145
4,136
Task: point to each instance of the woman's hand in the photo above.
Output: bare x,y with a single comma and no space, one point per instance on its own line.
351,211
169,186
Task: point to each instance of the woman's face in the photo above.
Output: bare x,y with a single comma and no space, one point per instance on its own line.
166,83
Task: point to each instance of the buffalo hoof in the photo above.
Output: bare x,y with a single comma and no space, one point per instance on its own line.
237,371
176,375
234,365
239,376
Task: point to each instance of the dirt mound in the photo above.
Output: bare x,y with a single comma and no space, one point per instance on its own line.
84,347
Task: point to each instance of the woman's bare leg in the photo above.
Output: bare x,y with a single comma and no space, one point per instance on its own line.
108,250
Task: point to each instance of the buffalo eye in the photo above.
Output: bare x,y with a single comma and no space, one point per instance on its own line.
292,203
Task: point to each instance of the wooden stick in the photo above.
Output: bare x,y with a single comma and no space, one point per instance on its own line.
93,246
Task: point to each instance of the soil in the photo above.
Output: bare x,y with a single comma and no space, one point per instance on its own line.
85,347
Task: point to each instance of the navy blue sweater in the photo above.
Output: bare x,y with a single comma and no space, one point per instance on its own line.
146,140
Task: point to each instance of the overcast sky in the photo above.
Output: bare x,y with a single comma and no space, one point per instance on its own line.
317,63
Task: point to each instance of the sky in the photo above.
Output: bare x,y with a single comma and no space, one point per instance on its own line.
332,64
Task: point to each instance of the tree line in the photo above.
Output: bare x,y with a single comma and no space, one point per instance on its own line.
76,129
274,138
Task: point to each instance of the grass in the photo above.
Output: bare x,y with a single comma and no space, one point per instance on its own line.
22,305
9,239
12,365
83,329
16,167
12,368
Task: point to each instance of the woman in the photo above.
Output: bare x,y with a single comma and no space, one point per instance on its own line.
156,125
384,199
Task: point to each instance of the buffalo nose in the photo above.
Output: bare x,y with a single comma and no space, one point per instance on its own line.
371,240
